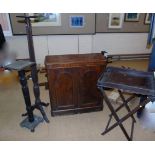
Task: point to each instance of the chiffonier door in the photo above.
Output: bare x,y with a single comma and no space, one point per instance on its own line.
89,95
63,88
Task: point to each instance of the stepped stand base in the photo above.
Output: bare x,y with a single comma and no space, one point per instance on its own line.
31,125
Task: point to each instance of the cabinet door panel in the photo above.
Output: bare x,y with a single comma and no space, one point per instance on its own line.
63,88
89,95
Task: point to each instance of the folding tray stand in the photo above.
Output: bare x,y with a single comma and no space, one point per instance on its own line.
126,80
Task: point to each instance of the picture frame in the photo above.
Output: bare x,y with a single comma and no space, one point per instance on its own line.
132,17
116,20
77,21
46,19
147,18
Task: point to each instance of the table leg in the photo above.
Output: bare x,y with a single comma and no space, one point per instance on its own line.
114,114
120,121
126,104
32,120
26,95
36,90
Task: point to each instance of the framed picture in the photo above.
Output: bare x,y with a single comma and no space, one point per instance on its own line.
147,18
46,19
5,22
77,21
116,20
132,17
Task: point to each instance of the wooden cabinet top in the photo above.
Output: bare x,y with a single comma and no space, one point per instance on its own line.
52,61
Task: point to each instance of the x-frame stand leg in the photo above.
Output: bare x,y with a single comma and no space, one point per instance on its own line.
118,120
126,103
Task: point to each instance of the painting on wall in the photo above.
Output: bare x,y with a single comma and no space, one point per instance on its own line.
147,18
116,20
46,19
77,21
132,17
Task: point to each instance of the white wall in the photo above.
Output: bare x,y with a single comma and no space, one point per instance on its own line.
18,44
63,44
113,43
41,48
121,43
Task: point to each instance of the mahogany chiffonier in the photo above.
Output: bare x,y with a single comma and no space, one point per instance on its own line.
72,82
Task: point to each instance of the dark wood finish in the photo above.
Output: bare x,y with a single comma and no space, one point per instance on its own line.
72,82
31,121
26,95
126,80
34,74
